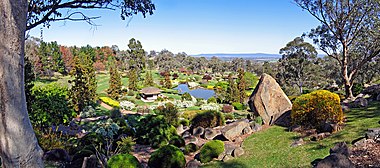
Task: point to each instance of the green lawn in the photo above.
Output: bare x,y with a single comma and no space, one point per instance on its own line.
271,148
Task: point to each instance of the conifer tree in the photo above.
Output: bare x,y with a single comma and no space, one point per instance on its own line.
232,90
167,82
114,90
83,86
149,79
241,86
132,80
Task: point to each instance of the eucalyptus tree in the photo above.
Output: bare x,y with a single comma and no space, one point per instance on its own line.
137,57
18,143
297,62
348,33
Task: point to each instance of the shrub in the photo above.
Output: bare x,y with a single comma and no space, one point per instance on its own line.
124,145
50,106
138,96
208,119
229,116
127,105
110,102
227,108
177,141
211,149
87,112
238,106
154,130
200,101
166,157
186,96
123,161
258,120
314,109
185,122
211,100
211,106
190,148
170,112
115,113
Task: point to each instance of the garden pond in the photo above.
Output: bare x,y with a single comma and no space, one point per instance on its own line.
197,93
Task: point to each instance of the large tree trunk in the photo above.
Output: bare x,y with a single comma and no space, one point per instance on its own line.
346,78
18,143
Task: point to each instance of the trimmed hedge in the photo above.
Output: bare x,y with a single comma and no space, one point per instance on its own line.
167,156
110,102
123,161
208,119
316,108
211,149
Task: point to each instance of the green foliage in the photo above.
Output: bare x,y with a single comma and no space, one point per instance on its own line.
137,54
229,116
111,102
83,86
132,79
238,106
170,112
177,141
50,140
241,86
190,148
251,79
131,93
124,145
167,81
211,100
211,149
232,94
357,88
184,122
50,106
154,130
258,120
149,79
123,161
208,119
28,79
186,97
115,113
167,156
314,109
114,90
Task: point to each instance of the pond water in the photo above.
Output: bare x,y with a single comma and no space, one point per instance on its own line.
197,93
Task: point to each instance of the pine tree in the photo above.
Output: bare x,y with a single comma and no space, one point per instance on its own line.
167,82
241,86
83,86
149,79
132,80
232,91
114,90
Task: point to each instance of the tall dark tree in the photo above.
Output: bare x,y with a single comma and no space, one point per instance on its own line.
167,81
18,143
241,86
232,94
132,79
297,62
83,86
148,79
114,90
348,33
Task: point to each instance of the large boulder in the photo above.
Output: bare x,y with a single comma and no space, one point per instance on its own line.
339,157
268,100
235,129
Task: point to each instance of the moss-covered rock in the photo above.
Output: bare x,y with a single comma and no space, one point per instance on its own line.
211,149
123,161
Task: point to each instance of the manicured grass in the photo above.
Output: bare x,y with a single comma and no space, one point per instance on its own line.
271,147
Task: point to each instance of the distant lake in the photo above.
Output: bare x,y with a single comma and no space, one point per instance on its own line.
197,93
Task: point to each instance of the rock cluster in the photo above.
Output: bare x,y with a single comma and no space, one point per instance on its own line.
339,157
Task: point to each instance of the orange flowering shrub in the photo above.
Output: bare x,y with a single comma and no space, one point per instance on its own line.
314,109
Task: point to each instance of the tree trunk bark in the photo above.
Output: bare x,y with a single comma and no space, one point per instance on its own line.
346,78
18,143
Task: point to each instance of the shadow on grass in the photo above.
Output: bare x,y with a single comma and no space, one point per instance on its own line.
229,164
363,113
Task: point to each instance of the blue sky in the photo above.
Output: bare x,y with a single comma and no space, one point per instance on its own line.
192,26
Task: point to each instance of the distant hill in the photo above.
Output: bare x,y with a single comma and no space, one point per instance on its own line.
250,56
